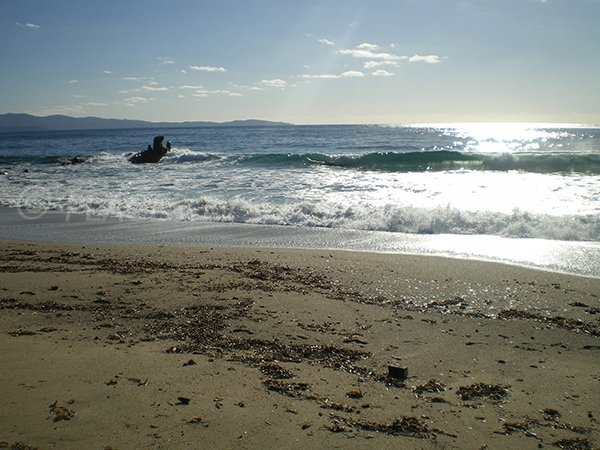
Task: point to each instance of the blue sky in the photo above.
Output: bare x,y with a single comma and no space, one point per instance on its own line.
303,61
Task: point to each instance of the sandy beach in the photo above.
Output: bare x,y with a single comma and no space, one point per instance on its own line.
125,347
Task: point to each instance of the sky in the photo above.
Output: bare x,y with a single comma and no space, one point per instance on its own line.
303,61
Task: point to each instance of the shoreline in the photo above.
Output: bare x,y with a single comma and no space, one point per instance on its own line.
137,346
567,257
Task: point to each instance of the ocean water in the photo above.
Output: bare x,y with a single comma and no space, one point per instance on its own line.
508,180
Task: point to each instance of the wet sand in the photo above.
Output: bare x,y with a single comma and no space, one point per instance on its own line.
120,347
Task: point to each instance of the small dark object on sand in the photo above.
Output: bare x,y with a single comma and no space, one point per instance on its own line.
398,373
183,401
152,154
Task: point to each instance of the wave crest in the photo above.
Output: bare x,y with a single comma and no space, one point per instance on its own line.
437,160
412,220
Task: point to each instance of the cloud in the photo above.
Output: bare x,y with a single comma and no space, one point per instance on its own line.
153,86
429,59
132,79
208,68
326,42
352,74
206,93
73,81
108,72
323,76
95,104
369,51
378,58
382,73
29,26
376,64
165,60
332,76
132,101
274,83
190,86
367,46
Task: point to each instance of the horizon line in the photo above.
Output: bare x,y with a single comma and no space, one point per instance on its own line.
442,124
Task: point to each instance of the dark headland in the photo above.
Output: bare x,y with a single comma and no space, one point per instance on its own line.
26,122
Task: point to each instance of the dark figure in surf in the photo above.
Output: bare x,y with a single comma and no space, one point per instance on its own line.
152,154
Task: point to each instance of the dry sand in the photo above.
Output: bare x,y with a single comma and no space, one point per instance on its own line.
122,347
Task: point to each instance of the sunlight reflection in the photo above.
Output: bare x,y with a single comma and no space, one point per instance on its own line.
502,137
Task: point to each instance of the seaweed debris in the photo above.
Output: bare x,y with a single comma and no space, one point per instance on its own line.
275,371
558,321
432,386
493,392
294,390
402,426
17,446
574,444
58,413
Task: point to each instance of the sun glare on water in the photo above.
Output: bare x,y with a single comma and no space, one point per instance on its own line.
504,137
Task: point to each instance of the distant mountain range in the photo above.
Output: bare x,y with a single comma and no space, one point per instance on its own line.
26,122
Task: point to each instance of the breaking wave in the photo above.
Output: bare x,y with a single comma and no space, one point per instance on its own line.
410,161
438,160
390,218
412,220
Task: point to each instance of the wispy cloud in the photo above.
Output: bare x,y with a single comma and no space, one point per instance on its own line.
379,58
352,74
278,83
153,86
208,68
95,104
369,51
376,64
332,76
132,101
368,46
326,42
165,60
28,25
206,93
191,86
132,79
73,81
382,73
429,59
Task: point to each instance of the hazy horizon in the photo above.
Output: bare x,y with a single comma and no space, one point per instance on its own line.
498,126
311,62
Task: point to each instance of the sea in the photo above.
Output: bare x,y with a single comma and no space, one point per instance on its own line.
487,185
